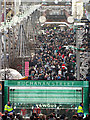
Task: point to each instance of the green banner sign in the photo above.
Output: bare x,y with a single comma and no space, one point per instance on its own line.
42,83
28,92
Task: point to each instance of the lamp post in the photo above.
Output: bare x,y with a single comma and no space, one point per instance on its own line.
77,25
77,56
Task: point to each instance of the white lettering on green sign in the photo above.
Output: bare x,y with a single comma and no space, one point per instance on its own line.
42,83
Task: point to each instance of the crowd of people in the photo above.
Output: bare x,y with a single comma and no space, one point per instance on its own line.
52,116
54,59
37,114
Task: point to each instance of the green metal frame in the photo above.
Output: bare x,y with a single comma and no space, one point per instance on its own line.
84,85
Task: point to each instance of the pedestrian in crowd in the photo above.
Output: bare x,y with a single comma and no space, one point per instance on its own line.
6,116
87,117
62,117
8,110
51,117
0,116
35,109
80,111
74,117
38,110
